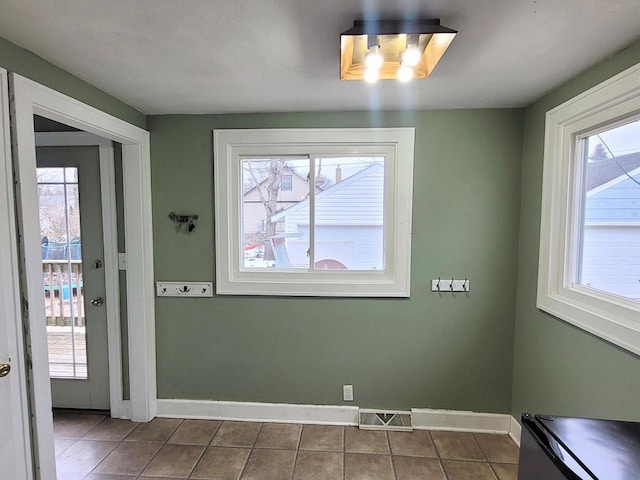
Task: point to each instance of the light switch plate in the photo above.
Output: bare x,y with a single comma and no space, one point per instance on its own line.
184,289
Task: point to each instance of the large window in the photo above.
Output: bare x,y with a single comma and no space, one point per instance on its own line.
589,269
313,212
608,244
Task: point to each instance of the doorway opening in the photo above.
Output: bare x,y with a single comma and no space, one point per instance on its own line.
78,253
30,98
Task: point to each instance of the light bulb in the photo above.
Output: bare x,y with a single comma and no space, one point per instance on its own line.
411,56
405,73
373,58
371,75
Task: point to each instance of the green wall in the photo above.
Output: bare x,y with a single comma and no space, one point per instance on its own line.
477,196
18,60
21,61
431,350
560,369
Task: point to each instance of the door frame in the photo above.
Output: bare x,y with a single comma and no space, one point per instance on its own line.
119,407
22,466
29,98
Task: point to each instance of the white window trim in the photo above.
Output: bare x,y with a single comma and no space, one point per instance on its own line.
610,317
229,145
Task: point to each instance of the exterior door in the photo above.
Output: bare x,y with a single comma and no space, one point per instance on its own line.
15,445
73,272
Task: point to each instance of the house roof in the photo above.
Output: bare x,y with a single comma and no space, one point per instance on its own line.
604,171
357,200
613,191
262,177
163,56
618,204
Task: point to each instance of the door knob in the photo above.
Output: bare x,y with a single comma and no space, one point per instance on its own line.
5,368
98,264
97,302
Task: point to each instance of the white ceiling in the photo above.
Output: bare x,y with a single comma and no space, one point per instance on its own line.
217,56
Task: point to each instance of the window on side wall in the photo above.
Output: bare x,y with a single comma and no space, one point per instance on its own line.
589,273
313,212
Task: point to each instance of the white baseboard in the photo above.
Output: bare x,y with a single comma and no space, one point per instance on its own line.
460,421
422,419
258,412
515,430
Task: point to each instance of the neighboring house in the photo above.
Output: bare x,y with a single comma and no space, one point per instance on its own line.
293,189
611,255
349,220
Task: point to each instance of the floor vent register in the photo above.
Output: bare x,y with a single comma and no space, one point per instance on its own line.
385,420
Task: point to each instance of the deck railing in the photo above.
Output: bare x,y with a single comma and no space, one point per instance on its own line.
63,293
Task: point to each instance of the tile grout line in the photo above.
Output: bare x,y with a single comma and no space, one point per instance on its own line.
102,460
480,447
438,456
204,450
162,445
77,440
495,474
344,453
393,463
199,458
251,449
295,460
244,465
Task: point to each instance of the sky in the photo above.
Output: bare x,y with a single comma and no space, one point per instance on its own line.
621,140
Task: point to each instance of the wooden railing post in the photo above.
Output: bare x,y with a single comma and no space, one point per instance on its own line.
60,282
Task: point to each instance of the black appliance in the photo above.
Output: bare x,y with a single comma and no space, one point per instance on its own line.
578,449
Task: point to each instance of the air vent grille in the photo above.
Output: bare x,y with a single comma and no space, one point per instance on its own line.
385,420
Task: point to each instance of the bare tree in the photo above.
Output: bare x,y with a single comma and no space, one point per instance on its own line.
268,191
56,224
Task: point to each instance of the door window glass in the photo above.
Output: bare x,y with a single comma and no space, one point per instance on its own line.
59,207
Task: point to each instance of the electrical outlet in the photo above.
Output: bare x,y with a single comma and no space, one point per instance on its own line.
347,393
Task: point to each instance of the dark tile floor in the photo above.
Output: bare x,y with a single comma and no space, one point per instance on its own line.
95,447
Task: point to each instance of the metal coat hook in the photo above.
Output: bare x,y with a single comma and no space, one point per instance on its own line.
450,285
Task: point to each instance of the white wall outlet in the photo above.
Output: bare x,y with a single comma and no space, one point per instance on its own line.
347,393
184,289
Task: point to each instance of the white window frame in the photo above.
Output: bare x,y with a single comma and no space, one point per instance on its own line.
397,144
608,316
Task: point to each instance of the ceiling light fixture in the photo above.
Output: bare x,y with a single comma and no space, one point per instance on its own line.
412,55
392,49
405,73
373,60
371,75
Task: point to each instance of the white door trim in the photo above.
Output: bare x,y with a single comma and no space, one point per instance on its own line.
21,467
31,98
110,239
